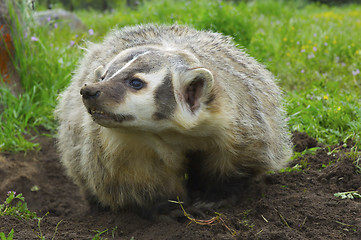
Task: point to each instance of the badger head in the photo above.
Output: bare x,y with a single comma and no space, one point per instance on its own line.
149,89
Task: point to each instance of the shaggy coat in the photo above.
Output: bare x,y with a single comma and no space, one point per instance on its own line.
153,108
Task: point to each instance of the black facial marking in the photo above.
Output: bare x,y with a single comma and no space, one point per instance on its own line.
133,55
98,115
159,116
164,99
148,63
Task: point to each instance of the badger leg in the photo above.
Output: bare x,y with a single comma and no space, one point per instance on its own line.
94,205
216,180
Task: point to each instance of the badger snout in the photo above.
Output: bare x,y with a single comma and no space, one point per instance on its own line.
89,92
103,93
92,96
100,100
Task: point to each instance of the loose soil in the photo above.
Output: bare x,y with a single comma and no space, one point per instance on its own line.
287,205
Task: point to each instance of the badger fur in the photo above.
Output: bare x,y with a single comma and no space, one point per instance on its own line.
153,103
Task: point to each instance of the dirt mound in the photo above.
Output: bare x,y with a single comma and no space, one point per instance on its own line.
297,203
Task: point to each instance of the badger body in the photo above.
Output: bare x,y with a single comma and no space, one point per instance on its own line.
149,98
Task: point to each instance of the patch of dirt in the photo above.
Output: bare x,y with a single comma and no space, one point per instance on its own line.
288,205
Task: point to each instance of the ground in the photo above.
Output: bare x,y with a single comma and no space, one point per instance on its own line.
285,205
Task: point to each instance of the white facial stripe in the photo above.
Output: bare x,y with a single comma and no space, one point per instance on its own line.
126,65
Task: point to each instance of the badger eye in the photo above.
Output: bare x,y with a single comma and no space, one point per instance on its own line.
136,84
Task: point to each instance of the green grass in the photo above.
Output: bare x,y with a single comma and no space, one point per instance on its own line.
16,206
312,50
45,65
9,237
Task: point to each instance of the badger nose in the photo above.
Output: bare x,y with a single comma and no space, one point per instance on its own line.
89,92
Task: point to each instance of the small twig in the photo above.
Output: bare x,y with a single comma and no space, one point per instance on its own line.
283,220
304,221
335,150
40,235
232,231
56,229
344,224
197,221
264,219
212,221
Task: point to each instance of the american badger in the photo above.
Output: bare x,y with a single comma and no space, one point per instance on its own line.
153,104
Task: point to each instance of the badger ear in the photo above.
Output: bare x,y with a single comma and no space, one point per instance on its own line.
99,72
198,84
